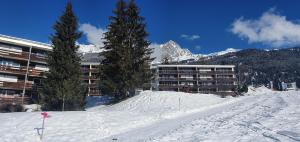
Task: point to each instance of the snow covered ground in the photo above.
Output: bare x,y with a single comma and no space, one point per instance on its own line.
261,115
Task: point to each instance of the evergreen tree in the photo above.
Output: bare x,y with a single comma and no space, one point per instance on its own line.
127,57
139,46
63,88
114,69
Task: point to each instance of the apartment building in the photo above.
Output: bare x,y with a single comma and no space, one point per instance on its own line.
216,79
22,67
90,66
22,63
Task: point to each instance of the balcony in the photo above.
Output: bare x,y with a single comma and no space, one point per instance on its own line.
14,55
187,79
94,93
13,99
168,79
224,72
22,56
38,58
216,72
21,70
93,85
93,70
231,79
167,71
90,78
16,85
187,72
168,85
206,79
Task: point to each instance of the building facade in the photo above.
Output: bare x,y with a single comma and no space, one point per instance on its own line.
90,67
22,67
22,63
215,79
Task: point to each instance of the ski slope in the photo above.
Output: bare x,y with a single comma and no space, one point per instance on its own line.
261,115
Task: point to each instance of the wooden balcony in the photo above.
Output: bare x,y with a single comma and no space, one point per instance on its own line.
16,85
14,55
187,71
224,72
94,93
187,79
168,72
226,79
206,79
93,85
168,79
93,70
168,85
38,59
90,78
215,72
9,99
22,56
21,70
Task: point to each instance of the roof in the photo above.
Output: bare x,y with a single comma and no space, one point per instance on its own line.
202,66
25,42
91,58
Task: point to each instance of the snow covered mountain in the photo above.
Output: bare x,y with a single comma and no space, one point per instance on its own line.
89,48
175,52
170,49
228,50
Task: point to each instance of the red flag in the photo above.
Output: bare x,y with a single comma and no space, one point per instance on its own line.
45,114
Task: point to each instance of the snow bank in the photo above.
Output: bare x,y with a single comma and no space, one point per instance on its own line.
164,103
259,90
32,107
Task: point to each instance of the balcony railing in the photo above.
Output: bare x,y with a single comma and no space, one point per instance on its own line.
167,79
216,72
187,71
13,99
168,72
14,55
206,79
226,79
38,58
93,70
187,79
90,78
16,85
20,70
193,72
22,56
94,93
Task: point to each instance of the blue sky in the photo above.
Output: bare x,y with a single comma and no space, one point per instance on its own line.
203,26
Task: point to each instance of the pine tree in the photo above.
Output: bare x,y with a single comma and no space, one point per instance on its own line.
113,69
139,45
127,58
63,88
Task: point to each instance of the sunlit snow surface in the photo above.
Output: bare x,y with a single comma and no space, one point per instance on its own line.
262,115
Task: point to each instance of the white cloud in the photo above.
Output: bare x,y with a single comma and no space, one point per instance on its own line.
190,37
271,29
94,35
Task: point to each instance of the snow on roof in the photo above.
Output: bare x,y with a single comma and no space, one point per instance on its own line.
91,58
24,42
202,66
